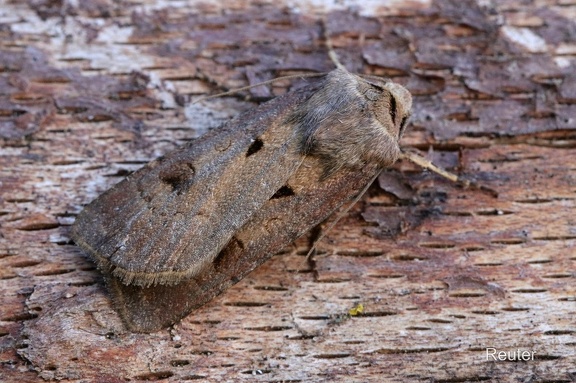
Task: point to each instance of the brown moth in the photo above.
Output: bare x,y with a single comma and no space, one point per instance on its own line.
190,224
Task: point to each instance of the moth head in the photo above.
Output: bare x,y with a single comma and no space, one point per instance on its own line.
351,121
391,104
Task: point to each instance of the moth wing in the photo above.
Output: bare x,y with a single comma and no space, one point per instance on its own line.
307,201
170,219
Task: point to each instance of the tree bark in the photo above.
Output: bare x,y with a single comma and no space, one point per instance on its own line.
92,91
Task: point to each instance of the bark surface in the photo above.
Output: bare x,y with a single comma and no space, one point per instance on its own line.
90,91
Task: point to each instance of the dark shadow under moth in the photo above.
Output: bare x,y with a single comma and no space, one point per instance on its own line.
188,225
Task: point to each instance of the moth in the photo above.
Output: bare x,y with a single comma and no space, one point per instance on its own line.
188,225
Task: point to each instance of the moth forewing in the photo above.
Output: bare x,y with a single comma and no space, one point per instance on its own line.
166,221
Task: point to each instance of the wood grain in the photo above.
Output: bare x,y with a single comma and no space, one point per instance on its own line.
92,92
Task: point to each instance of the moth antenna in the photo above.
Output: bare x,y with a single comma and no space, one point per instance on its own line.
331,52
340,215
333,56
232,91
426,164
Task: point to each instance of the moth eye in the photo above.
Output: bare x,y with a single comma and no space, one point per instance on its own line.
284,191
372,94
177,175
255,147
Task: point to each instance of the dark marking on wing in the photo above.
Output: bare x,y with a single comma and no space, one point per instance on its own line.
284,191
255,147
178,175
